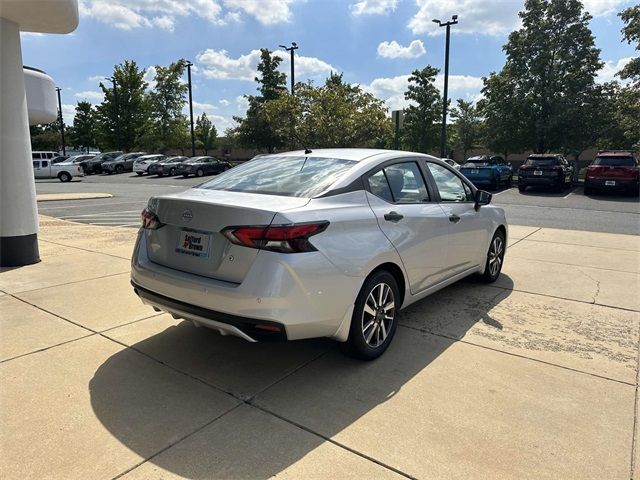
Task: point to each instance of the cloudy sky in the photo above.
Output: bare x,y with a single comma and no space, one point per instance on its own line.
375,43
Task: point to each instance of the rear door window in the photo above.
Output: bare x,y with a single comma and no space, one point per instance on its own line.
399,183
45,164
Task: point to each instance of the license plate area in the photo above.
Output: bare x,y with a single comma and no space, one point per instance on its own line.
475,172
537,172
610,183
193,242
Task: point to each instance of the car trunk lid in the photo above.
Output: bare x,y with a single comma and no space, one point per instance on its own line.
191,241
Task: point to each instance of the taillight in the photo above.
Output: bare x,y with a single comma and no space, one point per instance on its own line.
150,220
291,238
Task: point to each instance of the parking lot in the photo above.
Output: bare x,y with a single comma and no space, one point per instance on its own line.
570,209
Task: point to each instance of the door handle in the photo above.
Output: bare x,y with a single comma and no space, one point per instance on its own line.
454,218
393,216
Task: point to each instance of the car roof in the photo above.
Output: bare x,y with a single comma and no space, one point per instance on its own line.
615,153
152,155
355,154
544,155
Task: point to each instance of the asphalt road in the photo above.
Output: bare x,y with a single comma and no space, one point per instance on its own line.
570,209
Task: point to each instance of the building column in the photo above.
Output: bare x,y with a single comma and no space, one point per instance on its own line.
18,208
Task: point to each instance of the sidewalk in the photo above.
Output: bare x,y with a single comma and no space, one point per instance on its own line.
533,377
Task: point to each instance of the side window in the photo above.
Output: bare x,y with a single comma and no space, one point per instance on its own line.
45,164
450,186
379,186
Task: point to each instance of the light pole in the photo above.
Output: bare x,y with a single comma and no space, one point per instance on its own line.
115,100
61,120
193,138
291,49
443,131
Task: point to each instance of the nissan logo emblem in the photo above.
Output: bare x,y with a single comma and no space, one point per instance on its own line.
187,215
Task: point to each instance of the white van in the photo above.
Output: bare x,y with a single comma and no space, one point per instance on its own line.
39,155
64,171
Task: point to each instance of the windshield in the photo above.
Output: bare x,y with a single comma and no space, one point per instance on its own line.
615,161
286,176
541,162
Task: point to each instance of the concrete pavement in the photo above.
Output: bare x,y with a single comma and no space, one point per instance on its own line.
533,377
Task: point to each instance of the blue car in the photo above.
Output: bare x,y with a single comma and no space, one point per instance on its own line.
488,171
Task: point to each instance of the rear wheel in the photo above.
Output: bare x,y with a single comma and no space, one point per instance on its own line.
495,258
521,188
588,190
172,171
374,319
139,173
119,169
199,172
64,177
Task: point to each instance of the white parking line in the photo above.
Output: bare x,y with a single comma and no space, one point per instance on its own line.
503,191
102,214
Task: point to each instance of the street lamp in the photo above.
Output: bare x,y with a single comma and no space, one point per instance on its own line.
61,120
294,46
443,131
115,100
193,138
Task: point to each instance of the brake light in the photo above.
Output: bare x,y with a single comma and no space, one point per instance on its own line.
293,238
150,220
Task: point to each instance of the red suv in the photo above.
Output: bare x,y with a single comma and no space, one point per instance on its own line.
613,170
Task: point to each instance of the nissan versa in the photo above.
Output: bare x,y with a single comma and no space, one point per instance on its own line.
317,243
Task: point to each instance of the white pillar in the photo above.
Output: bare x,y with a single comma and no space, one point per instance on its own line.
18,208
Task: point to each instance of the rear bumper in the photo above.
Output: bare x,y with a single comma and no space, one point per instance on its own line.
621,183
539,181
305,294
141,168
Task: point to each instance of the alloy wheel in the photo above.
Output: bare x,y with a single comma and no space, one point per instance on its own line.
496,256
378,315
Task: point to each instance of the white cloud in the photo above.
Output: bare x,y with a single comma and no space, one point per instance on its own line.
68,113
394,50
610,68
217,64
96,78
90,95
242,103
373,7
150,76
496,17
129,14
392,89
268,12
224,102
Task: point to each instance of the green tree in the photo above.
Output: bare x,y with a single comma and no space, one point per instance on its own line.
205,133
84,127
254,130
45,136
166,101
550,70
631,35
133,108
467,126
420,131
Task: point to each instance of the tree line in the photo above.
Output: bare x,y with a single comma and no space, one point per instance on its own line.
545,98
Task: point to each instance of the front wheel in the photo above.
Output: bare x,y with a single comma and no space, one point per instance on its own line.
172,172
509,182
495,258
374,319
119,169
139,174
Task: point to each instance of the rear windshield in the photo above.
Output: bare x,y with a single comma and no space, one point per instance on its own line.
286,176
542,162
615,161
477,162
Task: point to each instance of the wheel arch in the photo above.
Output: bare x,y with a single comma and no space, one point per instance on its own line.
397,274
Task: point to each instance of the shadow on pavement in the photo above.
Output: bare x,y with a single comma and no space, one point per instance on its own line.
330,393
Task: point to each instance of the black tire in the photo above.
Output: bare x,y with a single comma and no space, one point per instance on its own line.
559,186
64,177
159,174
495,258
588,190
370,334
199,173
172,172
139,174
185,175
521,188
119,169
509,182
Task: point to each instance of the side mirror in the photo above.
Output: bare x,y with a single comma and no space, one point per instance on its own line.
482,198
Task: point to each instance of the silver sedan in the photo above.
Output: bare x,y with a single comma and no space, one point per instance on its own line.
324,243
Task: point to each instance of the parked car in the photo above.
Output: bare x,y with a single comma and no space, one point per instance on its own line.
490,171
123,163
545,170
41,155
94,165
141,164
452,163
80,158
169,166
312,244
200,166
59,159
613,170
64,171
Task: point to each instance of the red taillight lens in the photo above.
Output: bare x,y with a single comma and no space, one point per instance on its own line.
150,220
277,238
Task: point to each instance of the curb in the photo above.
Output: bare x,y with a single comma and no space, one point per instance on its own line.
53,197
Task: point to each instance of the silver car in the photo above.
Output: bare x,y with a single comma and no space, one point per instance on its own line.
324,243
